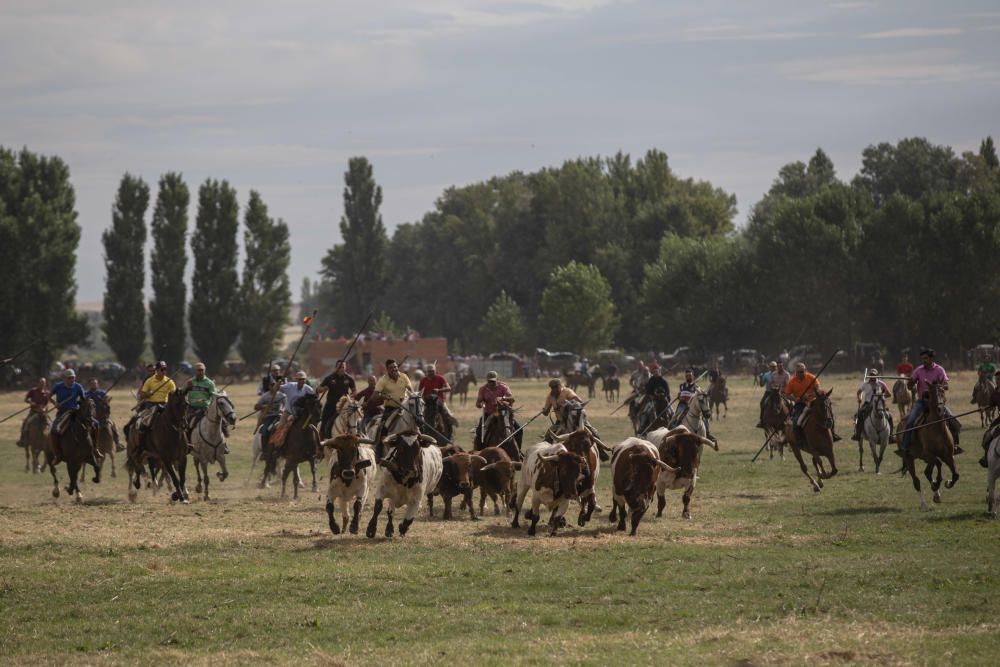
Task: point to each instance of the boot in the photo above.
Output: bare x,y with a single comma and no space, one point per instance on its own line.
836,438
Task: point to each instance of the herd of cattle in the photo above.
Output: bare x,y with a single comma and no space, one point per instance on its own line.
555,474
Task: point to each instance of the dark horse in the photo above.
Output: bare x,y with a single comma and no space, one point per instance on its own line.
934,445
75,449
497,428
818,431
775,416
611,386
301,446
162,447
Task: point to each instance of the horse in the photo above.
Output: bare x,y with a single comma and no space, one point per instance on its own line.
103,436
408,419
572,417
654,412
575,379
611,386
461,386
992,475
876,431
902,398
76,449
497,428
436,424
981,395
208,440
347,421
164,448
301,445
932,444
35,441
775,415
818,431
692,416
718,394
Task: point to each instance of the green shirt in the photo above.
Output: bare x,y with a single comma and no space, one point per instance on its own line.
987,368
199,392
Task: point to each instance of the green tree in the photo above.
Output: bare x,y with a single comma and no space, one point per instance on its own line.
39,236
576,310
215,283
168,262
911,168
503,326
124,264
264,293
988,152
356,267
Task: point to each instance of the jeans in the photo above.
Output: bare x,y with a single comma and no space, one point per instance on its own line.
915,412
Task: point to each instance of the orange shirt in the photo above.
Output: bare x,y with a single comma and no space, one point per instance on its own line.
797,387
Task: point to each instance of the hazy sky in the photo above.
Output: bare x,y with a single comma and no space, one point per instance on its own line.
276,96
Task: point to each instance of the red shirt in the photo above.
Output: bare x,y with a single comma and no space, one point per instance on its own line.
489,396
905,368
39,397
429,384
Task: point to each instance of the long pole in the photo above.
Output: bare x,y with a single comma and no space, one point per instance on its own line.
522,427
938,421
762,447
350,347
9,360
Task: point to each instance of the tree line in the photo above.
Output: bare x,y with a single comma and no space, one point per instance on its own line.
607,251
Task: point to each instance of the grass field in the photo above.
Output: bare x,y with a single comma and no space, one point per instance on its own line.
766,572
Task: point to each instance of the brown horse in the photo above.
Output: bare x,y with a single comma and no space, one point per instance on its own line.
497,427
718,394
818,431
462,385
611,386
301,446
982,394
103,435
35,441
902,398
932,444
163,448
75,449
775,416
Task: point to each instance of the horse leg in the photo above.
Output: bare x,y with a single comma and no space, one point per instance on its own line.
312,468
297,479
197,471
178,494
910,466
27,457
861,453
202,469
805,469
111,455
820,470
73,488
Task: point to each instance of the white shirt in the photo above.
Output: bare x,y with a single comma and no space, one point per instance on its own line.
867,390
293,393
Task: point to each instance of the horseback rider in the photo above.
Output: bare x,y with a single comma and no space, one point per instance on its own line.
274,375
774,380
987,370
991,430
372,402
685,392
392,388
923,375
489,396
153,398
434,388
904,368
198,394
558,399
657,384
98,395
270,409
637,381
335,386
866,394
37,399
801,389
66,397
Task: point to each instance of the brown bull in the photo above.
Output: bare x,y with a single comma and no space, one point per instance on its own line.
457,479
582,443
635,468
681,451
496,478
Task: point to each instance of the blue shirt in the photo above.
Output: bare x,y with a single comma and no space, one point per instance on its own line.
96,394
67,398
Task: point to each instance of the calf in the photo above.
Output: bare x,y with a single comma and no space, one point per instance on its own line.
681,449
495,479
553,475
411,471
457,480
583,443
635,467
352,468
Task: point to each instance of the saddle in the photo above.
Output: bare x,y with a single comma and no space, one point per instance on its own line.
278,435
63,420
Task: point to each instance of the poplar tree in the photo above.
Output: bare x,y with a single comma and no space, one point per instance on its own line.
124,245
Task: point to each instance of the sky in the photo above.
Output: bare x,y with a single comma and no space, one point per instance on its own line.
276,97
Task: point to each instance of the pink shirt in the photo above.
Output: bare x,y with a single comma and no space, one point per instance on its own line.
489,396
925,376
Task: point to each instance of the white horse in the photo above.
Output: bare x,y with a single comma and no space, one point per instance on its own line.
692,416
877,431
348,420
208,441
992,475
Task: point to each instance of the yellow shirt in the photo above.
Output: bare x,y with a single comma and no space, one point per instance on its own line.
395,389
156,391
565,394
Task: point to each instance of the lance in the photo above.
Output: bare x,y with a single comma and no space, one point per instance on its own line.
158,387
10,360
754,459
522,427
59,404
634,394
308,322
938,421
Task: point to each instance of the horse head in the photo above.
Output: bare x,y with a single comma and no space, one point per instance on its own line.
223,407
824,408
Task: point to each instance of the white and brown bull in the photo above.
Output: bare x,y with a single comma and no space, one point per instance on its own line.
635,469
583,443
553,475
410,471
680,449
352,469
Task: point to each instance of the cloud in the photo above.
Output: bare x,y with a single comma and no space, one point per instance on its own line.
731,32
926,66
912,33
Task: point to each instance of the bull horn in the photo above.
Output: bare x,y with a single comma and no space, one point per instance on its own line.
475,457
666,467
428,439
548,457
706,441
600,444
491,466
366,441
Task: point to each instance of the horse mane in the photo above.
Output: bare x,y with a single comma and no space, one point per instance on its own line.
343,402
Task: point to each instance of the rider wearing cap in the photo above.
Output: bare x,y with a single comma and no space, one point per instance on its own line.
198,393
154,394
274,375
334,386
685,392
66,397
866,393
774,381
802,388
436,386
489,395
37,399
